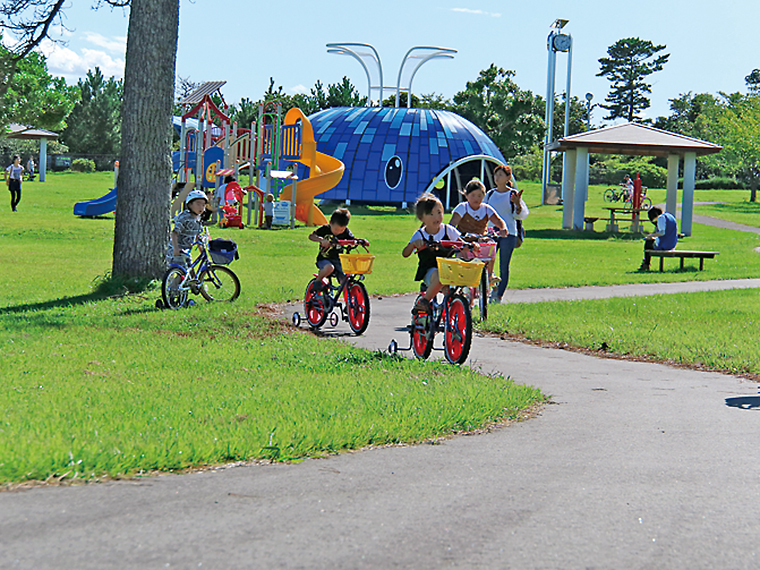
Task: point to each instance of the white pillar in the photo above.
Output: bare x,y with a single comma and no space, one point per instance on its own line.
687,206
581,187
568,187
671,198
43,159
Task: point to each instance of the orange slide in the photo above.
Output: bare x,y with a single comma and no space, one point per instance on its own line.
324,173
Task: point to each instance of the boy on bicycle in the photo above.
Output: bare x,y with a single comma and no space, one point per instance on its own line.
328,260
187,227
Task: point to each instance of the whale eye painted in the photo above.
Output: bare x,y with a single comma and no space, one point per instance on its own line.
393,171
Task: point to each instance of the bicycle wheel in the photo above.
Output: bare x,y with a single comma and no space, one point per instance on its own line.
483,295
358,308
422,335
172,292
457,335
646,203
609,195
219,283
314,306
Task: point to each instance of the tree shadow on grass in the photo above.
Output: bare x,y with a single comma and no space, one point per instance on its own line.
55,303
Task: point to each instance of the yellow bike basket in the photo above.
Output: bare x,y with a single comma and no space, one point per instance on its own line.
458,272
357,263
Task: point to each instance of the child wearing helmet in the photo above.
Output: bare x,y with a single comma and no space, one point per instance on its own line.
187,226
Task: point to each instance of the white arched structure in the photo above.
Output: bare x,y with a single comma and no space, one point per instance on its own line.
446,173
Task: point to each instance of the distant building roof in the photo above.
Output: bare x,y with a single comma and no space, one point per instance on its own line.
197,95
635,139
18,131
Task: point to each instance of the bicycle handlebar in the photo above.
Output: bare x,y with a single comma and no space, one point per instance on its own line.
352,243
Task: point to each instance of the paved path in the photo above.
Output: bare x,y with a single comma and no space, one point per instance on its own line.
633,465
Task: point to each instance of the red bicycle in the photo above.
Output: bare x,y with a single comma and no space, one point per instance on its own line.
452,315
347,300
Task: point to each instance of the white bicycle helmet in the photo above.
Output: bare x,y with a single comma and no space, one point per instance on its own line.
195,195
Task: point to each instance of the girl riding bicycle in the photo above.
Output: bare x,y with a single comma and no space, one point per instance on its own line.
429,211
187,227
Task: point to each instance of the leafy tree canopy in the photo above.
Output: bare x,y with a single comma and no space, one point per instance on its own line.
509,115
33,96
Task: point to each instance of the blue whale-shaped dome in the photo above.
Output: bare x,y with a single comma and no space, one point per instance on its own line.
391,155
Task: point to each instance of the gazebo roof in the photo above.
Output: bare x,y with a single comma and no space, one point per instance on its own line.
634,139
18,131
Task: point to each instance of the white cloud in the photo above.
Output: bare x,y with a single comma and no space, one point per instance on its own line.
72,65
116,44
477,12
299,89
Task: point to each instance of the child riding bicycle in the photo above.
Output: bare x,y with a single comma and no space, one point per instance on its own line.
328,258
187,227
424,241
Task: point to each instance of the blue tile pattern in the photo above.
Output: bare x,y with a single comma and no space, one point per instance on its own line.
373,141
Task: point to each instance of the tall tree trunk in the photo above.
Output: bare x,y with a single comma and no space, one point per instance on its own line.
142,201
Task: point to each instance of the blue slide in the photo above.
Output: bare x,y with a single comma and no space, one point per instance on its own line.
98,207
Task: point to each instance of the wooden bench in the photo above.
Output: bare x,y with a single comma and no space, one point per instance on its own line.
683,254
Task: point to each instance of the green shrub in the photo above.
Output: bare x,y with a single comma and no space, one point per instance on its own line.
718,183
83,165
612,171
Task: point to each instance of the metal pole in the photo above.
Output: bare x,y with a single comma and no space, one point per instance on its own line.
567,88
549,119
411,78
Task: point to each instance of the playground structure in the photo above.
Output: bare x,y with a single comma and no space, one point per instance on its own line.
393,155
100,206
212,146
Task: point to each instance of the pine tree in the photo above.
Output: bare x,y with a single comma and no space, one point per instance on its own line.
630,62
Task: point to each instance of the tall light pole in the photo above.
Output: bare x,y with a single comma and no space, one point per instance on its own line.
557,41
589,106
345,49
435,53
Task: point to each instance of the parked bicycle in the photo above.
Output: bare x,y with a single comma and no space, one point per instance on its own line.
625,195
451,315
325,303
208,275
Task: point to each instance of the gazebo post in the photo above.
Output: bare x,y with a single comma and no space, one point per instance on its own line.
568,188
581,187
43,159
671,197
687,205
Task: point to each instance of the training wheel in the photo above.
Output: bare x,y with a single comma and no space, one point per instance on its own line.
296,318
393,347
333,319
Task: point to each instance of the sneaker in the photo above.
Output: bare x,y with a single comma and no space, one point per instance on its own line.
643,267
494,281
422,306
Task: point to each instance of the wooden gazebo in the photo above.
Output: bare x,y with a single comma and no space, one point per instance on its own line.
629,139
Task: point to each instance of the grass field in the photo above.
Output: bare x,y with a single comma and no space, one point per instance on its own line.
98,387
94,387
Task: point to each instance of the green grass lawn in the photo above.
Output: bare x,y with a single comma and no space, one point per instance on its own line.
95,387
98,387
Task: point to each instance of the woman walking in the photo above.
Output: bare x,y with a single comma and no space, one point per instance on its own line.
508,203
13,176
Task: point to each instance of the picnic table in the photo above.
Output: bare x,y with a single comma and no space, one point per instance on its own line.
622,214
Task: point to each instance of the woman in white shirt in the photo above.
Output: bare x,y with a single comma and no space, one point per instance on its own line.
509,205
13,176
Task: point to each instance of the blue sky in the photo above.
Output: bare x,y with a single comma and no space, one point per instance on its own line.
712,45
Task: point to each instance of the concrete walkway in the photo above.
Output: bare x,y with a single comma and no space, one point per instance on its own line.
632,465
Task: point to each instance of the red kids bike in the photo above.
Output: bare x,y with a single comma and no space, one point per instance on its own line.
348,298
452,315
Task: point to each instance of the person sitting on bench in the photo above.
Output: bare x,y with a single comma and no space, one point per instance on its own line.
664,238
